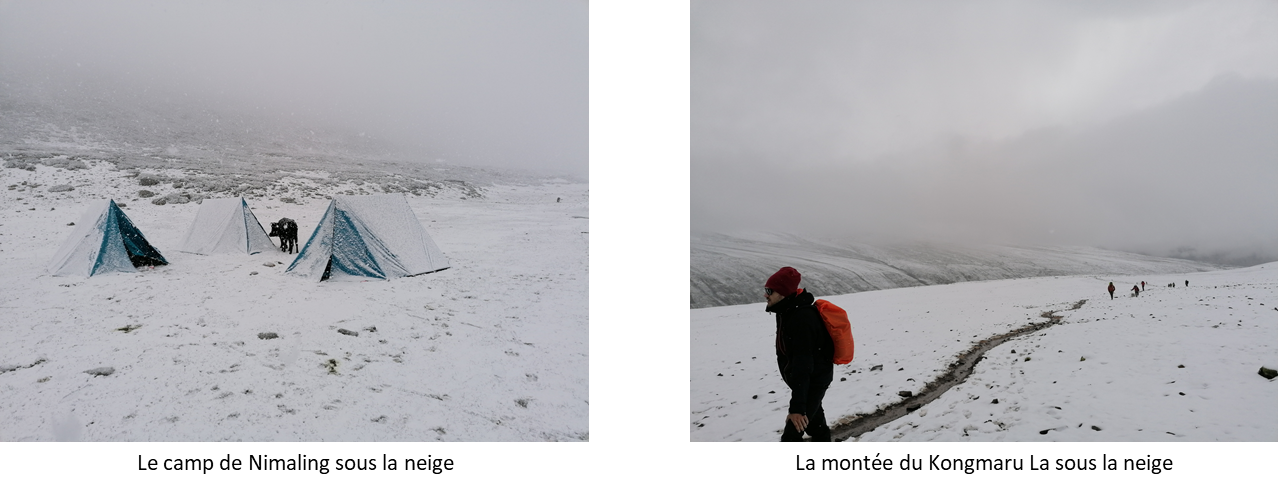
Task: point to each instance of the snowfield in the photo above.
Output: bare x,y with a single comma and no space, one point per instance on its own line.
1174,364
492,349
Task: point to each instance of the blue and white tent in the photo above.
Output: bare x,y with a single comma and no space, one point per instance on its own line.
363,237
104,240
226,226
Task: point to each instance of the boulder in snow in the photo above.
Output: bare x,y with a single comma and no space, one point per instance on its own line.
1268,373
61,188
103,371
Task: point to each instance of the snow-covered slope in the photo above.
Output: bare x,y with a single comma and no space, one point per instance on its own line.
494,348
1174,364
730,270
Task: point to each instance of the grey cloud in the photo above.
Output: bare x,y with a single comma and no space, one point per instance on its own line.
883,119
495,84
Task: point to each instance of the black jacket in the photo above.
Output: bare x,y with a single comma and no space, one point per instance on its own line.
805,352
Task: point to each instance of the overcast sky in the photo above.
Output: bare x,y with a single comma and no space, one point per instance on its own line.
1148,126
487,83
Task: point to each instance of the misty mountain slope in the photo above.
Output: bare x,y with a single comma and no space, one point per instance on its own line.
136,129
731,270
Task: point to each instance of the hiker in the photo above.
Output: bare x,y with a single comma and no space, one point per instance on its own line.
1111,290
1186,282
1142,286
1135,291
805,355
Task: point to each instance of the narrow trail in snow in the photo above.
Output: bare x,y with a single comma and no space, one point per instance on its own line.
955,374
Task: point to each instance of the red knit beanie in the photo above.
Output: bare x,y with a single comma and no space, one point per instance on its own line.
785,281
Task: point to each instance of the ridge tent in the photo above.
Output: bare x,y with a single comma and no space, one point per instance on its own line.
104,240
368,237
226,226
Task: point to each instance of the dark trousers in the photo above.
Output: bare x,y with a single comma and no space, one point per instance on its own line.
817,427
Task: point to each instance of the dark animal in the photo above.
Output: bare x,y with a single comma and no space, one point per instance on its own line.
286,230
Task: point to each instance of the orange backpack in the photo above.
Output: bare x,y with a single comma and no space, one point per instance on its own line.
836,321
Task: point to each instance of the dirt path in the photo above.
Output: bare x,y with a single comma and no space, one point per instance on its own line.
955,374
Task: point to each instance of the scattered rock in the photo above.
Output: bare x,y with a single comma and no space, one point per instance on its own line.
1094,427
843,379
1013,351
103,371
72,224
145,194
353,333
1180,366
177,198
1027,358
902,369
995,401
44,379
905,393
756,396
129,328
148,181
522,402
269,264
1044,432
876,367
251,273
913,407
61,188
1082,358
371,328
1268,373
267,335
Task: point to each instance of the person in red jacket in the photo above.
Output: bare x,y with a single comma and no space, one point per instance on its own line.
1135,290
805,355
1142,286
1111,290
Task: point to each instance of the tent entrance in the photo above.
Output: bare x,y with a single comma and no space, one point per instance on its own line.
140,261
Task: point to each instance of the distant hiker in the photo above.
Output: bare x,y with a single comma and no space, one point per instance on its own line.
1135,291
1186,282
557,200
805,355
1142,286
1111,290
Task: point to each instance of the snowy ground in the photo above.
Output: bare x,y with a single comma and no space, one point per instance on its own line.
493,349
1174,364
